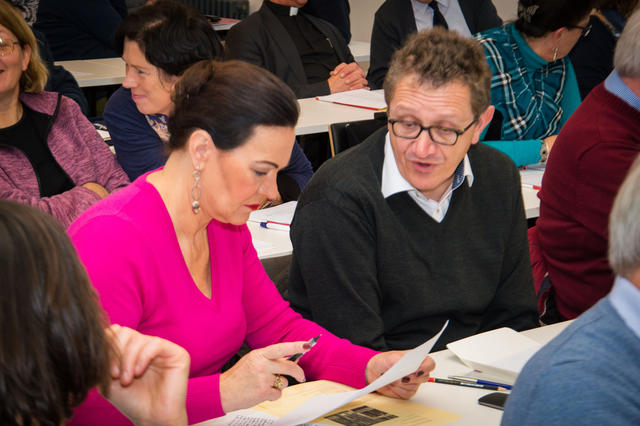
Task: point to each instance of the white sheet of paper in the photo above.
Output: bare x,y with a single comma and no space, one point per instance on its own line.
361,97
322,404
282,213
260,244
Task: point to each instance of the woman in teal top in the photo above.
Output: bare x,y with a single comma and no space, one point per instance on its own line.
533,86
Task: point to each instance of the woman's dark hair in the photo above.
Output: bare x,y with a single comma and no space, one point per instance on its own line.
539,17
228,99
53,348
172,36
623,7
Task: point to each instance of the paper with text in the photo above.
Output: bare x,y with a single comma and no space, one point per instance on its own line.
282,213
322,404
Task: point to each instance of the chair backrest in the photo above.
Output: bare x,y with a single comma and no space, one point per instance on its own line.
343,136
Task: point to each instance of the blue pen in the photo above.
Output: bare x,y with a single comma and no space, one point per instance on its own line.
480,381
275,225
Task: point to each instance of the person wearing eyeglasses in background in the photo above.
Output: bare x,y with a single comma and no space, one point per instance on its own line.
51,156
418,224
534,87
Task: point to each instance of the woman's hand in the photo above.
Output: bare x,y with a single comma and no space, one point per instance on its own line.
404,388
251,380
97,188
148,378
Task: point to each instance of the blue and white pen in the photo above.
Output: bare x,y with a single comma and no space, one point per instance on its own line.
275,225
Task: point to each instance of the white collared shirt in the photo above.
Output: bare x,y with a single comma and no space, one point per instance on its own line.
293,11
393,182
451,11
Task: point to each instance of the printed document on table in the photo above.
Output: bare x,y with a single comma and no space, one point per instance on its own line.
322,404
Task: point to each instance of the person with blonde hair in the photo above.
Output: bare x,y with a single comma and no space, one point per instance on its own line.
50,154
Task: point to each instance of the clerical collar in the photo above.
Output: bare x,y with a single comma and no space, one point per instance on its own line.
281,10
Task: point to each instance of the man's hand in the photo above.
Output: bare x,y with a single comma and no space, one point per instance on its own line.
347,77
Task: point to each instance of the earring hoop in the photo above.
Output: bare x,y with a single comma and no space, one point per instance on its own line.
196,191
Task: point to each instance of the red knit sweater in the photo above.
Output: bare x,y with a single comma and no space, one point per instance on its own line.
586,167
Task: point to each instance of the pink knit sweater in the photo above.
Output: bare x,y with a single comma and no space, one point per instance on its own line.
77,148
128,245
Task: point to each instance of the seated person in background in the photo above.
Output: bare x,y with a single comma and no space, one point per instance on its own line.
336,12
592,56
396,20
158,43
53,344
50,155
588,374
171,255
590,159
419,223
60,80
307,53
534,87
77,30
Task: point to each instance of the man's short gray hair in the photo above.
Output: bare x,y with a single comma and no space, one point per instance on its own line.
624,226
627,57
439,57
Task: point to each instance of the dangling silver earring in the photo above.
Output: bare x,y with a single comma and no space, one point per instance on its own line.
196,191
555,54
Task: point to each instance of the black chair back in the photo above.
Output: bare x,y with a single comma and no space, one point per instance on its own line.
343,136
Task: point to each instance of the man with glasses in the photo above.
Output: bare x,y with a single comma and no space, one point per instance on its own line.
418,224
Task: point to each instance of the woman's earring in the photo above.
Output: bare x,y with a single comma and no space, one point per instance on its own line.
555,54
196,191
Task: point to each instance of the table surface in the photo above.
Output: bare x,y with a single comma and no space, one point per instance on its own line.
316,116
96,72
461,400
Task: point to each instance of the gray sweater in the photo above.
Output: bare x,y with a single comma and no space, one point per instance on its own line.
383,274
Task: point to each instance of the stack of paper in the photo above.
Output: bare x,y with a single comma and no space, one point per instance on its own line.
499,354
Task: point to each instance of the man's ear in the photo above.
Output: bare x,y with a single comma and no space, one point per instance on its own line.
483,121
200,147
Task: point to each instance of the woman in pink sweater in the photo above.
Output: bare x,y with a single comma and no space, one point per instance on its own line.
171,255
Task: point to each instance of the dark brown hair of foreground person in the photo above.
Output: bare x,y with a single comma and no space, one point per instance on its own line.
53,348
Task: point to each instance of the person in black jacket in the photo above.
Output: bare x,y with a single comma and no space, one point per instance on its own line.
307,53
77,29
395,20
335,12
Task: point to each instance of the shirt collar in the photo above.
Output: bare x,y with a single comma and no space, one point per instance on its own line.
625,298
281,10
616,86
393,182
442,5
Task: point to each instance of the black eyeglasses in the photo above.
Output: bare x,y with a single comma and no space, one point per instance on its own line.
6,47
585,30
438,134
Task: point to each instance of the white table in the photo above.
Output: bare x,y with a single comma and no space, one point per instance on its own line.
531,202
315,116
224,24
270,242
96,72
360,50
461,400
